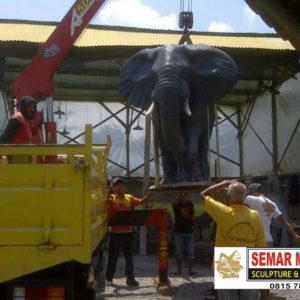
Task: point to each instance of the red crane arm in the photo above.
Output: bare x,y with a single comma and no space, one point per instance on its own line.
36,79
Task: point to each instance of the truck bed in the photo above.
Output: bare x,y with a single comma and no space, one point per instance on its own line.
51,213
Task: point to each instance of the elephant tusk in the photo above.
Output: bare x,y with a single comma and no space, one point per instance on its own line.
150,110
187,109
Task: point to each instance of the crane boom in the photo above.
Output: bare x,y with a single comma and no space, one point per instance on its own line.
36,79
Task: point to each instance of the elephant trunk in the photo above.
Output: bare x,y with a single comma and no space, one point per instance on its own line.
171,132
172,101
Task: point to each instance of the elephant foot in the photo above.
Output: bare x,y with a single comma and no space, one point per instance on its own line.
188,178
194,177
203,178
183,178
169,179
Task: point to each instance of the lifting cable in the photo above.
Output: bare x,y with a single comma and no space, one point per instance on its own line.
185,21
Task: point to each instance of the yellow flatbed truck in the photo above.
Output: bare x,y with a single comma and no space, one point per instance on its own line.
53,221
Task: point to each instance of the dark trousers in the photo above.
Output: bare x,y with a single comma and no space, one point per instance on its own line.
117,242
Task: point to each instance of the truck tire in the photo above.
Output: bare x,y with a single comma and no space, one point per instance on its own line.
4,291
78,279
100,265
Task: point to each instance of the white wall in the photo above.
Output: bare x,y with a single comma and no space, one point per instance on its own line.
256,158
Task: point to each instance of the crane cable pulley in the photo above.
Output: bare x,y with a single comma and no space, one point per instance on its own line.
185,21
186,16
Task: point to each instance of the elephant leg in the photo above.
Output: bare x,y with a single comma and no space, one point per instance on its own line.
208,123
169,162
172,147
182,171
181,156
192,159
194,132
198,142
193,170
186,161
202,167
203,162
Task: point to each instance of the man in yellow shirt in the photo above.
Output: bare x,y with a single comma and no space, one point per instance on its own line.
121,236
237,226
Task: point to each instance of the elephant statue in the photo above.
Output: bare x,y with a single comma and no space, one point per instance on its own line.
180,84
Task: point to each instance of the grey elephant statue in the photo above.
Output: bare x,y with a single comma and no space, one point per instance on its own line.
180,84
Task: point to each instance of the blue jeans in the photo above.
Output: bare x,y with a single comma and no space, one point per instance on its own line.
184,243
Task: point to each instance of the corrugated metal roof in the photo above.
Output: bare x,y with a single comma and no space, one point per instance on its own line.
97,36
283,15
91,70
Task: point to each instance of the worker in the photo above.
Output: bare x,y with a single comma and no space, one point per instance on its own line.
121,237
36,128
185,224
19,127
24,127
237,226
268,210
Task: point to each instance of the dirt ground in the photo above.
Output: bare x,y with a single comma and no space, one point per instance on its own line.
184,287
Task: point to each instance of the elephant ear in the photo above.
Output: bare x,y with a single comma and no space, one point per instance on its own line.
136,80
214,72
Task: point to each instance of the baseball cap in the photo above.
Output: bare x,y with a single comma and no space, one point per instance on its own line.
115,180
255,188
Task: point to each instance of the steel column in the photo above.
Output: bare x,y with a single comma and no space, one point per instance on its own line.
146,181
274,128
241,144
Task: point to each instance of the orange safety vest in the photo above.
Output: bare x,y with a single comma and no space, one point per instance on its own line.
35,127
116,203
24,136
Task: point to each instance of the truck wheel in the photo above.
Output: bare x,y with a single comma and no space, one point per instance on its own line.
90,294
83,291
77,282
102,267
101,272
5,291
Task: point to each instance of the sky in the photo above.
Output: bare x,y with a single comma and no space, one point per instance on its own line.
209,15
